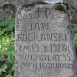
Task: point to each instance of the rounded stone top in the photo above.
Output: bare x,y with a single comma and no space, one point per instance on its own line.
20,2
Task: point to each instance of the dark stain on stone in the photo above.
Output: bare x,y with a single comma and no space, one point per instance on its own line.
9,9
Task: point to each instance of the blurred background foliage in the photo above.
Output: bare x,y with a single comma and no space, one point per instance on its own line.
74,30
7,50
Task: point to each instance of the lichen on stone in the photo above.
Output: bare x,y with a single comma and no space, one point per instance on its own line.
73,13
9,9
33,4
62,7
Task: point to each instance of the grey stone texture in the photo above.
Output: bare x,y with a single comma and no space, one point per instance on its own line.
75,3
71,3
44,46
16,2
3,14
53,1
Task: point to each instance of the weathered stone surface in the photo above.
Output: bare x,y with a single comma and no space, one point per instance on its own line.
3,14
2,2
16,2
75,3
44,45
71,3
53,1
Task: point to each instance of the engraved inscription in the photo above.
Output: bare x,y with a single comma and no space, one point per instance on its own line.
43,43
52,47
42,37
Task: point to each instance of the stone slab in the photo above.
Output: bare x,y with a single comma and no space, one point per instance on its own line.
44,46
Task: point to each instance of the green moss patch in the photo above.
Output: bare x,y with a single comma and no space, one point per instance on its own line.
32,4
62,7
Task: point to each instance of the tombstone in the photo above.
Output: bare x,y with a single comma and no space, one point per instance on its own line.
44,46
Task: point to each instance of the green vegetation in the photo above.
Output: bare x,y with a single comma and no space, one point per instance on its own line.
6,26
33,4
74,29
62,7
7,38
7,48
